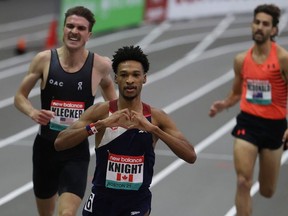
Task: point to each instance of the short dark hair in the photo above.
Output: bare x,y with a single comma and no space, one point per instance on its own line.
83,12
130,53
271,10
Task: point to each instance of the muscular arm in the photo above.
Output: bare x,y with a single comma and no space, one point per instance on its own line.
165,129
76,133
235,94
96,114
104,65
21,101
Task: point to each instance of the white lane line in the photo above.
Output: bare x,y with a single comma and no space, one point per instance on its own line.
13,26
12,195
198,148
155,33
11,62
12,139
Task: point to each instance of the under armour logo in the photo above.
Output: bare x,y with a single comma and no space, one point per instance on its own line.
241,132
79,85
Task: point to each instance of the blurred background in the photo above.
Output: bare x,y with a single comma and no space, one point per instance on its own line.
33,25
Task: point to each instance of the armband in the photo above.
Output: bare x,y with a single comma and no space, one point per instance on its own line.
91,129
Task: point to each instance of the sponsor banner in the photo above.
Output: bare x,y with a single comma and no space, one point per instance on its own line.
109,14
155,10
187,9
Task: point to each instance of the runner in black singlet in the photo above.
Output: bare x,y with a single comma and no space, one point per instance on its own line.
69,78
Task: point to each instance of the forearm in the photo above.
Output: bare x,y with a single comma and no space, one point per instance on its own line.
23,105
181,147
72,137
231,100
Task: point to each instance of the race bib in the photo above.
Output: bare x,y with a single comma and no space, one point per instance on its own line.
124,172
259,92
66,112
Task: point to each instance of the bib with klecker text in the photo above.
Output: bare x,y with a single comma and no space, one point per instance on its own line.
66,112
124,172
259,92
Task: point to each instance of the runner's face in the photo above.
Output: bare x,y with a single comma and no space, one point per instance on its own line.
262,28
130,77
76,32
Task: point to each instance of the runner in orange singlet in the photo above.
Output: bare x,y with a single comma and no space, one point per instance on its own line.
260,84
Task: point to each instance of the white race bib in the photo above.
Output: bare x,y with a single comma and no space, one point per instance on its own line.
259,92
124,172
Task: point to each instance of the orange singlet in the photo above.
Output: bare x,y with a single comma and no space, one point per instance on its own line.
264,91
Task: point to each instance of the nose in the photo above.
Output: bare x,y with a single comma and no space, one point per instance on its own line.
130,79
74,30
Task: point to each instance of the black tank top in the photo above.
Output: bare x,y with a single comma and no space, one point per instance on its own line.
66,94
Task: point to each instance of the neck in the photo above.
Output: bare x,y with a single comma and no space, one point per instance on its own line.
72,57
134,104
262,49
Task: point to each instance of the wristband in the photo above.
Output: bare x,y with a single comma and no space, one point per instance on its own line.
91,129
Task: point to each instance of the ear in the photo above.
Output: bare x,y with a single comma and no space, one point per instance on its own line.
145,78
89,36
274,31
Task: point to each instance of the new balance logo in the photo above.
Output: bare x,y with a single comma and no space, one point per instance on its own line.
141,131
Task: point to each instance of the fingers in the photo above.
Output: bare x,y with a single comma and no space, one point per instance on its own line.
43,117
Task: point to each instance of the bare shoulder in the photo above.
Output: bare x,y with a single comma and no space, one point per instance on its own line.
283,58
102,64
282,53
238,61
158,116
40,63
43,56
239,58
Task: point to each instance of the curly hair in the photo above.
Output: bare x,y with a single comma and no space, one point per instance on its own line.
130,53
271,10
83,12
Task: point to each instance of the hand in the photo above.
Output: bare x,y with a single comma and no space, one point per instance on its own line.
216,107
120,118
139,121
128,119
42,116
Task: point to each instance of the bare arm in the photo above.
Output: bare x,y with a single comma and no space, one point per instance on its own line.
106,83
98,116
76,133
21,101
235,94
165,129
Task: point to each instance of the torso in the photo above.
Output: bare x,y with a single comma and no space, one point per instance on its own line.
125,158
264,91
67,94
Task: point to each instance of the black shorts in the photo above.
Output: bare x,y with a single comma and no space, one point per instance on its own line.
52,174
105,202
264,133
